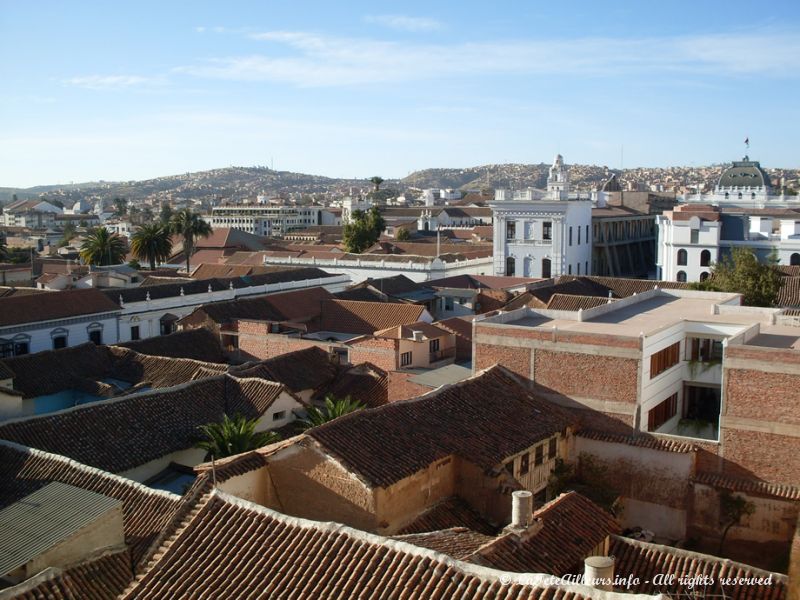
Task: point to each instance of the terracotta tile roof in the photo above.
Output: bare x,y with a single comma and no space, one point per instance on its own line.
363,294
640,440
300,370
80,366
644,561
7,292
130,431
789,294
406,332
622,287
364,383
396,285
571,527
101,578
198,344
292,557
17,310
458,542
567,302
448,514
461,326
749,486
352,316
484,419
212,270
146,511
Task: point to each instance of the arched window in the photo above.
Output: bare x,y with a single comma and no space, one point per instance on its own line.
703,275
510,266
681,275
705,258
794,259
22,344
546,269
59,337
6,348
682,257
95,331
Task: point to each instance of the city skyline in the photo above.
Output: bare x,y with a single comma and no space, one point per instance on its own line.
148,91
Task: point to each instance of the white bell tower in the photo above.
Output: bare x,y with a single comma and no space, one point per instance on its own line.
558,180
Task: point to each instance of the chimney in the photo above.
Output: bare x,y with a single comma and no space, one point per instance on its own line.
521,509
598,572
417,336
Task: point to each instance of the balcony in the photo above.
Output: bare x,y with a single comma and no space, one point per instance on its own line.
443,354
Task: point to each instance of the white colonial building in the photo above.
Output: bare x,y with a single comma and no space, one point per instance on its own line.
742,211
270,220
543,234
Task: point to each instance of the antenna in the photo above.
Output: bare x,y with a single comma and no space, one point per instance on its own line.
214,471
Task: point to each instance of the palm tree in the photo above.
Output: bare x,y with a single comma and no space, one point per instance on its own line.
190,226
377,181
233,436
333,409
3,248
101,247
152,243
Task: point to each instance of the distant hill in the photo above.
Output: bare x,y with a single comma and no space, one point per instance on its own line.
236,183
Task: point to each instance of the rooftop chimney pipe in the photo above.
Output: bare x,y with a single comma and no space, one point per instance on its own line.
521,508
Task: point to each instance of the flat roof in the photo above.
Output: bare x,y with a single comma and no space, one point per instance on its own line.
45,518
648,316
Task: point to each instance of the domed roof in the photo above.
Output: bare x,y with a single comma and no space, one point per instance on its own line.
744,173
611,185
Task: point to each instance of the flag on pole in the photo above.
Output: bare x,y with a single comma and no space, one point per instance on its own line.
747,141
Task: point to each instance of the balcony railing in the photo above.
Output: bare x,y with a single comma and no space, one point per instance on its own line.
438,355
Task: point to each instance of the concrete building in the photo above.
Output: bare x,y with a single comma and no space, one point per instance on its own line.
268,220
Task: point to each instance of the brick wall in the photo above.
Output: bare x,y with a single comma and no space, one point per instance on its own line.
563,337
517,360
587,376
764,396
381,352
400,388
256,343
762,455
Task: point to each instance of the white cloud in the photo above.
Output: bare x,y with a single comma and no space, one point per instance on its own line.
200,29
313,60
404,23
112,82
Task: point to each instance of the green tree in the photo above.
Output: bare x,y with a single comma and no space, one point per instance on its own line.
363,230
333,409
377,181
152,244
741,272
732,509
101,247
3,248
233,436
120,207
67,235
165,216
402,235
189,225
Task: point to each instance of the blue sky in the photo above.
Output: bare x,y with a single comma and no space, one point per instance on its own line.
117,91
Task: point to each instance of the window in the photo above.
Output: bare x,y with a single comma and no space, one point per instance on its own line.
586,268
546,268
547,230
6,348
511,230
448,303
135,332
434,345
279,415
665,359
794,259
694,236
552,448
704,350
587,234
510,263
662,413
569,269
22,344
579,268
59,341
705,258
570,236
538,457
96,336
524,464
579,236
682,257
703,275
405,359
681,276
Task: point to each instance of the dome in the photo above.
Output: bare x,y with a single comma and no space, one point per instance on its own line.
611,185
744,173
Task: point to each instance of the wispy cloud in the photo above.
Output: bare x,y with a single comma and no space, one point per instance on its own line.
404,23
112,82
314,60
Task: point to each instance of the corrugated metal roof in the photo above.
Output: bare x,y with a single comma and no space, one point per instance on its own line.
45,518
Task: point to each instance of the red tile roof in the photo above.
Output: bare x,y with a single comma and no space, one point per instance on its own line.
123,433
198,344
567,302
643,561
364,383
406,332
461,326
640,440
484,420
18,310
458,542
451,513
353,316
231,548
307,369
146,511
749,486
571,527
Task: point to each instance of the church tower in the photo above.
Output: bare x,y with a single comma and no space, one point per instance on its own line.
558,180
